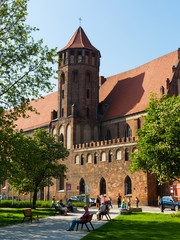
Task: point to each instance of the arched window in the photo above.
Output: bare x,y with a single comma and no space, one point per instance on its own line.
87,93
82,159
89,158
79,56
118,154
54,131
103,156
61,138
108,135
68,136
138,123
77,159
134,149
102,186
95,158
127,186
63,78
126,154
61,134
71,56
82,186
110,156
86,57
127,131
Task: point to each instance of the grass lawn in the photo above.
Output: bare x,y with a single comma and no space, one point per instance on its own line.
138,226
10,216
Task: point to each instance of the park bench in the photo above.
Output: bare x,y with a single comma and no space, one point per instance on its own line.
106,214
58,210
28,213
89,218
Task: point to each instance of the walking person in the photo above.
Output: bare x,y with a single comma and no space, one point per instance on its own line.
53,202
137,201
119,200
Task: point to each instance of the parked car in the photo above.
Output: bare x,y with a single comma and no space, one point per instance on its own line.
168,202
74,198
92,201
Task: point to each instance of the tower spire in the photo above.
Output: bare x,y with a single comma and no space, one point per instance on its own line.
80,19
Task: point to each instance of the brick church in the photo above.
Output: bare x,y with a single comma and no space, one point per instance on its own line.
97,117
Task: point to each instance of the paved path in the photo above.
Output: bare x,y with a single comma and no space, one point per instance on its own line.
54,227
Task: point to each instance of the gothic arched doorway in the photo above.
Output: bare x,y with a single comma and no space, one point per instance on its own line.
82,186
127,186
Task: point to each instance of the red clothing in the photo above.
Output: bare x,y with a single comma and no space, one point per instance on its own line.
84,216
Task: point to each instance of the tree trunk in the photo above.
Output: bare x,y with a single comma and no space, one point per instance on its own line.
34,198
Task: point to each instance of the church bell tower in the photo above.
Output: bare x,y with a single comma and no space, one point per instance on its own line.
78,88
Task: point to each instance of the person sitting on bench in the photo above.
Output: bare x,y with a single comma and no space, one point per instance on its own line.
62,209
82,219
102,210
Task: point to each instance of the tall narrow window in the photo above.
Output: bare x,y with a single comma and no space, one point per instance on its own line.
93,58
62,93
82,186
127,186
71,56
87,57
63,78
95,158
61,183
108,135
102,186
82,159
65,58
126,154
110,156
79,56
127,131
138,123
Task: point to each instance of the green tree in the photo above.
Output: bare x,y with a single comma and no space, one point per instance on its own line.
159,140
25,70
35,162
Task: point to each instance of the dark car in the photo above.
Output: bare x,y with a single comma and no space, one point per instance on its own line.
168,202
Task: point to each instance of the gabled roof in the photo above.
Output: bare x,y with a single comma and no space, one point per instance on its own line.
44,108
79,40
129,92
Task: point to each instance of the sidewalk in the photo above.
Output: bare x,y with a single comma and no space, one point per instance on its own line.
54,227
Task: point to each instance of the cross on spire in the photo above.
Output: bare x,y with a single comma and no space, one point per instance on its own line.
80,19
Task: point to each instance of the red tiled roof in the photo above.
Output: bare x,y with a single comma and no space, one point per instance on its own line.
44,107
79,40
129,92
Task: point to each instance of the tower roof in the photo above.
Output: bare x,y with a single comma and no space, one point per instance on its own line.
79,40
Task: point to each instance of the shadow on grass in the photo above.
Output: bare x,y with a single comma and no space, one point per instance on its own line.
139,226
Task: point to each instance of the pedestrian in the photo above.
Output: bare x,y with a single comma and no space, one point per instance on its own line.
129,203
102,198
110,202
137,201
82,219
119,200
98,200
53,202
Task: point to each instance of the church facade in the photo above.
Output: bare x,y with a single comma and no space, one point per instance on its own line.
97,118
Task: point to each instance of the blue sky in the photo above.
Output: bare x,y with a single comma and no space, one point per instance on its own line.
128,33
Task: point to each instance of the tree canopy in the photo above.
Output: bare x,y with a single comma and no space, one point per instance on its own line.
26,67
159,140
34,162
